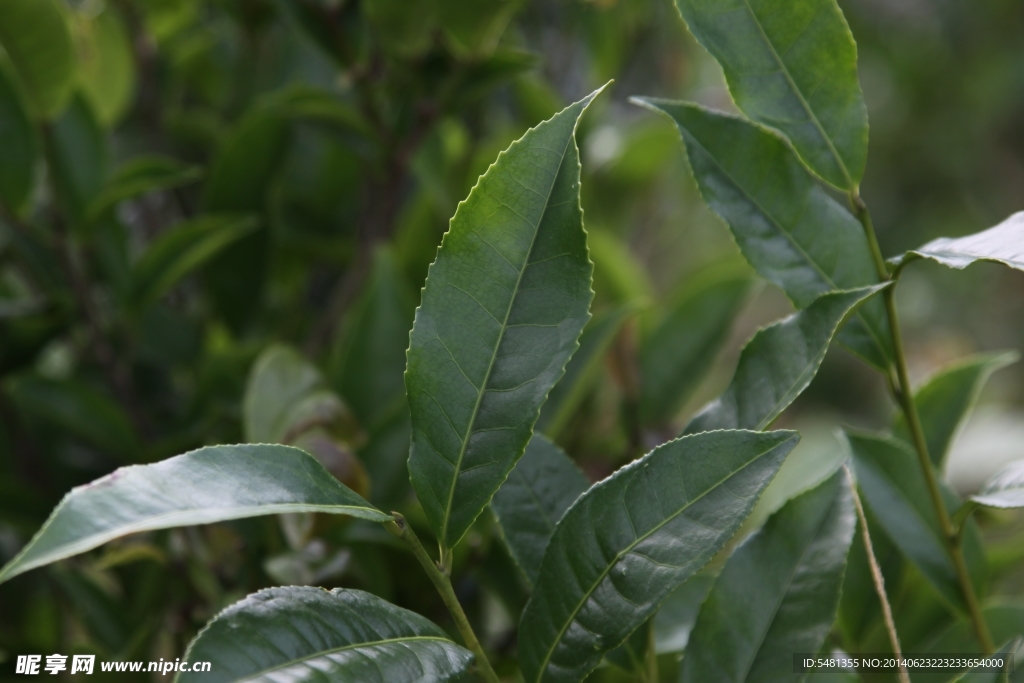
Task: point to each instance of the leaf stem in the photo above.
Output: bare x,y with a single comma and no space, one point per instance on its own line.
651,656
903,395
401,529
878,579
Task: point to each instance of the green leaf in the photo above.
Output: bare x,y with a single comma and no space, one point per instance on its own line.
20,145
985,675
538,491
304,634
106,64
893,486
1005,489
582,369
633,538
501,312
778,593
370,361
285,396
778,363
183,249
946,399
999,244
139,176
78,157
787,226
680,351
208,485
35,35
80,410
631,656
791,65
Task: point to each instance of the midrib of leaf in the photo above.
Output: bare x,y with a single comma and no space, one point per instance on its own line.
353,646
799,95
625,551
811,262
501,336
782,598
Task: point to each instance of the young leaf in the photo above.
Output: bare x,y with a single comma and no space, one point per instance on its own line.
1005,489
945,401
788,227
582,369
35,36
895,489
208,485
778,363
677,355
182,250
778,593
791,65
501,311
21,148
1000,244
631,539
305,634
141,175
538,491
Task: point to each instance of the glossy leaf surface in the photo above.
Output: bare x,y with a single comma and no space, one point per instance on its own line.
945,401
633,538
1005,489
182,250
18,140
787,226
35,36
538,491
778,593
306,634
778,363
504,304
791,65
680,351
207,485
1003,243
895,489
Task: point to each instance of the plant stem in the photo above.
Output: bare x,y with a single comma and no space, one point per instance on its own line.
401,529
651,656
878,579
903,395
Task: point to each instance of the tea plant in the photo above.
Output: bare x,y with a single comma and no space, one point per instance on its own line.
502,340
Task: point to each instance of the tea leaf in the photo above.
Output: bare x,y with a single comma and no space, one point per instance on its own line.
20,145
788,227
778,363
501,311
35,36
945,401
1000,244
306,634
139,176
1005,489
778,593
633,538
208,485
538,491
791,65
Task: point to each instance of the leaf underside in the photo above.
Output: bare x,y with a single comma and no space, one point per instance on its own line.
1003,243
504,304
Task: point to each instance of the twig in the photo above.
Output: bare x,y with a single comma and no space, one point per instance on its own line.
401,529
878,579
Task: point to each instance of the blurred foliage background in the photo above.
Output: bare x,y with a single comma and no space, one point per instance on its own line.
217,216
